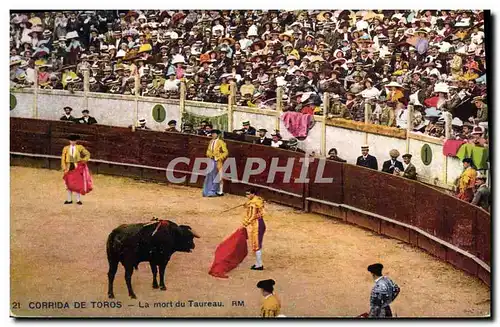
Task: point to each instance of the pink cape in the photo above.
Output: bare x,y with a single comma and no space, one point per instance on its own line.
79,179
297,123
230,253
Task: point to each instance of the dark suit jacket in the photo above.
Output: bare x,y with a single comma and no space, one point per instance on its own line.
482,197
386,167
264,141
250,131
369,162
64,118
410,172
90,122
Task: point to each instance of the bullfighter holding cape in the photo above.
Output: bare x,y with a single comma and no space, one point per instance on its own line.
76,173
255,219
217,152
233,250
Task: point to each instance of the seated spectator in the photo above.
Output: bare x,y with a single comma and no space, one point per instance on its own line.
201,129
86,118
188,129
332,155
366,160
482,194
171,85
141,124
293,145
276,141
409,171
389,166
67,115
263,140
247,129
476,137
482,110
363,57
172,126
208,130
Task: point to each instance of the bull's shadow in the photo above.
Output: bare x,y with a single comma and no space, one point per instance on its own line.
154,242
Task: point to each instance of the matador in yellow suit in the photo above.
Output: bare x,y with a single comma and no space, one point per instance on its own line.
467,181
255,220
217,152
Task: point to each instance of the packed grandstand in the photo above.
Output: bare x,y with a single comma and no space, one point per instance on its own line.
433,60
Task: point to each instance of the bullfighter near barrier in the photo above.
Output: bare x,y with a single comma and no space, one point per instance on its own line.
257,164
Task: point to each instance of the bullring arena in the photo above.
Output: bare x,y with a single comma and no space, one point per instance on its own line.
319,264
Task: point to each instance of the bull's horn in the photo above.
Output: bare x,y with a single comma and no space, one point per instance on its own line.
195,234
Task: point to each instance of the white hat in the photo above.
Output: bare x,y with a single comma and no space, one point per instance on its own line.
441,88
120,53
394,84
414,99
305,96
72,35
178,59
457,122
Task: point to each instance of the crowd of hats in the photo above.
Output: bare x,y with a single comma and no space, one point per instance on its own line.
392,58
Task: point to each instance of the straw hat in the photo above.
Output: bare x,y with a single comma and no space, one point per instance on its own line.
394,84
394,153
441,88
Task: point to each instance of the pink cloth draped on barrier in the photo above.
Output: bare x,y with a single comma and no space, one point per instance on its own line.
450,147
79,179
298,124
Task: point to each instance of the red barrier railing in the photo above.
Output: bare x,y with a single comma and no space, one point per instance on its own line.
415,207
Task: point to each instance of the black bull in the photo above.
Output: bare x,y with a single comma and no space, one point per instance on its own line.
154,242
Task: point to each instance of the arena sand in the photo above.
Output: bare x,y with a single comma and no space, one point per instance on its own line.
319,264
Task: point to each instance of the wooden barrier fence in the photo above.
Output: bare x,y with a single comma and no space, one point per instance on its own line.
448,228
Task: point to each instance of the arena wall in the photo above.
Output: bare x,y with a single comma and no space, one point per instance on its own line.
346,136
410,211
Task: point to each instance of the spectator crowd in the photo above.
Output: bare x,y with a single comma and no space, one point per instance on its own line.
432,60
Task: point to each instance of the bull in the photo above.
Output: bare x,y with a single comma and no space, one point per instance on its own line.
154,242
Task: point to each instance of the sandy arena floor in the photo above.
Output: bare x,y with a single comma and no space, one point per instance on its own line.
319,264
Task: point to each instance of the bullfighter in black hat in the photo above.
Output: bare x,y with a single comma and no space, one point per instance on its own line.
383,293
271,305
